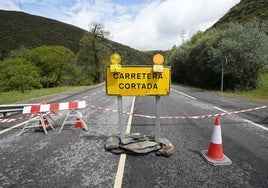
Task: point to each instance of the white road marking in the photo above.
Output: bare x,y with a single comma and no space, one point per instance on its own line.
15,126
257,125
183,94
217,108
85,97
131,116
122,160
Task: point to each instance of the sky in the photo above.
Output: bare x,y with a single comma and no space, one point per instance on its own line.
141,24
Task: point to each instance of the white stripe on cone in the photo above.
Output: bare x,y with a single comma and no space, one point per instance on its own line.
216,135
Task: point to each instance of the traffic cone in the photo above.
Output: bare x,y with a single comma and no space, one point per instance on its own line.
40,128
80,122
46,123
214,155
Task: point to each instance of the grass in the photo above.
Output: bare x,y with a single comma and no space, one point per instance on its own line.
260,94
17,96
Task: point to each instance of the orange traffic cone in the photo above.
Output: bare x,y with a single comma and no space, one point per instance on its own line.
214,155
46,123
80,122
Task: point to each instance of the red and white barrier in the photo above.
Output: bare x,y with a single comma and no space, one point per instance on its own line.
53,107
43,112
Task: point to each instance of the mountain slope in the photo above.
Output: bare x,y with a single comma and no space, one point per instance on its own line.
245,11
32,31
19,28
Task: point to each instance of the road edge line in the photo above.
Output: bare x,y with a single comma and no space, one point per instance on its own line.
122,160
256,124
183,94
13,127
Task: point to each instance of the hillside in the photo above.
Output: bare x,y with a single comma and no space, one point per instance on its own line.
32,31
245,11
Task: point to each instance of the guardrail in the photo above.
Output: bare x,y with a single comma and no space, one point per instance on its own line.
7,108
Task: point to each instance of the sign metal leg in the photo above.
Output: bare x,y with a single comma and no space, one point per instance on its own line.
120,113
157,118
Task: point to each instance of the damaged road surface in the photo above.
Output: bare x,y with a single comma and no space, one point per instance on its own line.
137,143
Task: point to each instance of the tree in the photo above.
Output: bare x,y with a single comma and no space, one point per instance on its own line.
246,48
197,62
57,65
18,74
92,50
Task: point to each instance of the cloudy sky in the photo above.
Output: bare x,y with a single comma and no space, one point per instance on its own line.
140,24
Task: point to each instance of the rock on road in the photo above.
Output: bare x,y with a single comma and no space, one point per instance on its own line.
77,158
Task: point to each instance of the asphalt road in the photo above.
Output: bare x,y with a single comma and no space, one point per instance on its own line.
77,158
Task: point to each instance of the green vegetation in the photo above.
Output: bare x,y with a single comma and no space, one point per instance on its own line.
37,52
92,54
46,66
241,36
22,29
244,12
260,94
197,62
16,96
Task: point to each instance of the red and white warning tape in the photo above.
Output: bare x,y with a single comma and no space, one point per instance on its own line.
181,117
149,116
14,119
213,115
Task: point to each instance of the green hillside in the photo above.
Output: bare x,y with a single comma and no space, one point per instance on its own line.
245,11
33,31
19,28
240,36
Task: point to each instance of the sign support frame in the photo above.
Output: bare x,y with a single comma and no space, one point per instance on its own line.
152,81
157,118
120,115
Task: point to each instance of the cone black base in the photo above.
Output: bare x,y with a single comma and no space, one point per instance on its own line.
225,161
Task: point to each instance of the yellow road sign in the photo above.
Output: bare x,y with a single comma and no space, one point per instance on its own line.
137,81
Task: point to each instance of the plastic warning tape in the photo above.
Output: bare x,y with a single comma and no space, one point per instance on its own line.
13,119
7,120
149,116
212,115
181,117
53,107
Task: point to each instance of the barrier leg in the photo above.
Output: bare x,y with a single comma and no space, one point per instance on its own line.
65,119
43,123
52,121
79,122
26,124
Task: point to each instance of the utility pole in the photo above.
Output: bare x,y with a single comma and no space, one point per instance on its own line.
20,5
223,64
182,36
